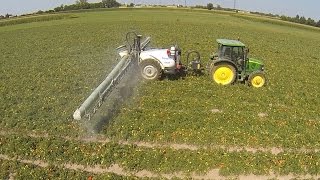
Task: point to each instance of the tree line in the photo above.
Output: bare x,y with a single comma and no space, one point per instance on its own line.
301,20
83,4
297,19
79,4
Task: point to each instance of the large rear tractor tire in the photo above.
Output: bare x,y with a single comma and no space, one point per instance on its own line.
223,74
150,69
257,79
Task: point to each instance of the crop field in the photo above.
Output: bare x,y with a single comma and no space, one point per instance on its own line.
188,128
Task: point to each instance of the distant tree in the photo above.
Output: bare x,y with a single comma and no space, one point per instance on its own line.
318,23
297,19
209,6
49,11
219,7
200,7
82,4
8,15
302,20
284,18
110,3
81,1
71,7
96,5
40,12
59,8
310,22
1,17
131,5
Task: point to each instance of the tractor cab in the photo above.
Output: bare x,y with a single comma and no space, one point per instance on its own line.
231,64
231,50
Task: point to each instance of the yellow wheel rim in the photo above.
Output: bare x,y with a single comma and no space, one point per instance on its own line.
257,81
223,75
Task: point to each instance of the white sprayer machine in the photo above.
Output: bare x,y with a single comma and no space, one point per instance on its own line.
152,62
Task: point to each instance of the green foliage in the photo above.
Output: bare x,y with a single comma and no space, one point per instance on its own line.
273,21
165,160
83,4
19,170
81,1
110,3
48,68
209,6
300,20
78,6
181,111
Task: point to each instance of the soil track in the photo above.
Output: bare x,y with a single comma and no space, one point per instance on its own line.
175,146
116,169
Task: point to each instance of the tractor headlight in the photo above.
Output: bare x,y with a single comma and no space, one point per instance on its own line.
262,68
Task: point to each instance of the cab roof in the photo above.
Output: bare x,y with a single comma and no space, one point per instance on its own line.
228,42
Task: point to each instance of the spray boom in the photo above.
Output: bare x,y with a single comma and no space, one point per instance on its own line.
129,55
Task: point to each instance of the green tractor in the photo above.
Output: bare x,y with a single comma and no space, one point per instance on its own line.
231,63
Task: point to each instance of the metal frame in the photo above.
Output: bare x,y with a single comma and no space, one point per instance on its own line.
96,98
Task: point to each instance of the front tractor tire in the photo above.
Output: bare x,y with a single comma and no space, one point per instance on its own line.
223,74
257,79
150,69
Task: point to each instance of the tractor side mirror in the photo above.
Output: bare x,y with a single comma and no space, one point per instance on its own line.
246,53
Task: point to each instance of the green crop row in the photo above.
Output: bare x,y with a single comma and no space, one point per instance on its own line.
27,171
282,114
191,118
164,160
20,170
47,73
70,58
49,68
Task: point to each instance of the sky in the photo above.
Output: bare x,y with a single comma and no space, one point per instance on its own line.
306,8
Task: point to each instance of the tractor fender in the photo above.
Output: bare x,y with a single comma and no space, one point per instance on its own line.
215,63
153,58
161,56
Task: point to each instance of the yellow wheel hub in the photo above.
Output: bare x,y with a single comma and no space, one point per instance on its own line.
223,75
257,81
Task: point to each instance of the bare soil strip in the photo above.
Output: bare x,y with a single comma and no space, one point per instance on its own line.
175,146
116,169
